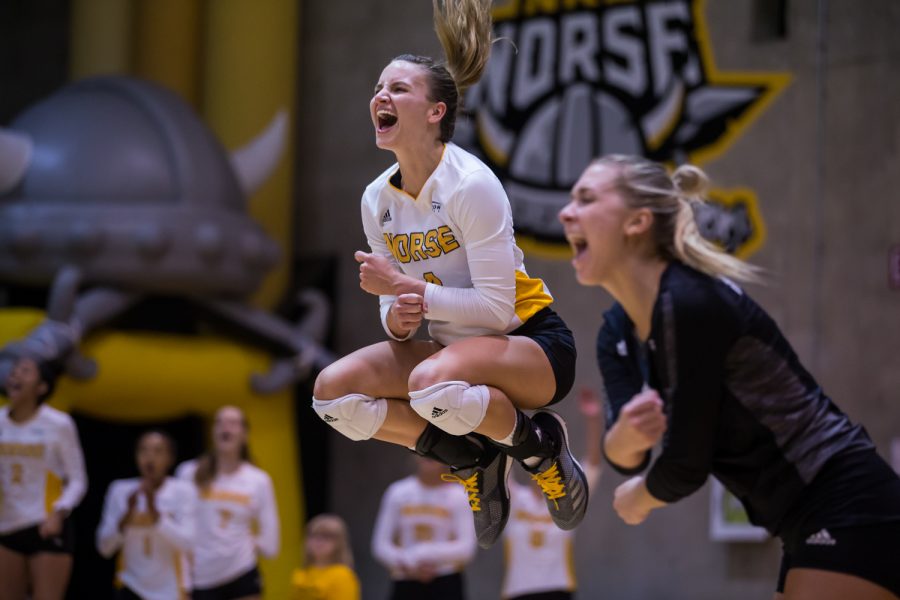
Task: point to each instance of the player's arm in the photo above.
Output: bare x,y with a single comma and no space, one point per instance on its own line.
634,418
393,323
178,528
268,540
702,330
74,472
384,549
109,536
481,215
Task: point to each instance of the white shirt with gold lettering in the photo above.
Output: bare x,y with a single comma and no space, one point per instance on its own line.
41,468
457,235
237,518
538,554
153,561
418,523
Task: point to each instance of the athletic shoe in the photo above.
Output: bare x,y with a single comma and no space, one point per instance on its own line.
560,477
488,494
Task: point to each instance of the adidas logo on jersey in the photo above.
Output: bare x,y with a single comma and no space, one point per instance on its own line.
438,412
386,217
329,419
822,538
435,206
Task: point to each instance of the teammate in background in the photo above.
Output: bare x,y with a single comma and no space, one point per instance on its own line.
328,574
149,520
424,536
237,519
439,226
738,403
39,449
539,556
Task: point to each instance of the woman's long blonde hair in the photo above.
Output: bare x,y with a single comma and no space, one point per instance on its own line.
644,183
207,465
334,526
464,30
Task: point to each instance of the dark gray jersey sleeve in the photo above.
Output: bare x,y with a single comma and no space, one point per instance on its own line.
696,327
619,378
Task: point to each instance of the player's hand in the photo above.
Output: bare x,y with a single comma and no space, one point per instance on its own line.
641,422
132,499
425,572
132,505
407,313
588,403
377,275
633,502
150,494
52,526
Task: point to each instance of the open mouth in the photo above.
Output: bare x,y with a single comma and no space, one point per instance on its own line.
578,244
386,120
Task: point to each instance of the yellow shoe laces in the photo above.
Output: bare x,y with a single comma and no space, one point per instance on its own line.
470,485
551,484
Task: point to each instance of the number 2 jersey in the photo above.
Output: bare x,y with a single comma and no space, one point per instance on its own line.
41,468
236,519
457,235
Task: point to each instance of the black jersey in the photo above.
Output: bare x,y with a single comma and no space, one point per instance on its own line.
739,404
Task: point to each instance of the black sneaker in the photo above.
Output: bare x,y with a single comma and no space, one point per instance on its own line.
560,477
488,494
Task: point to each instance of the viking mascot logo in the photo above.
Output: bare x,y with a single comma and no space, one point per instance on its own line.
570,80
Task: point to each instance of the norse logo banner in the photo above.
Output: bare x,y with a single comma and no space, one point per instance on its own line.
571,80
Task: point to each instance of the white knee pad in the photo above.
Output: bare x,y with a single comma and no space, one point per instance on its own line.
357,416
454,406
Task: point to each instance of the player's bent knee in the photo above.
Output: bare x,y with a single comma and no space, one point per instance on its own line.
454,406
333,381
356,416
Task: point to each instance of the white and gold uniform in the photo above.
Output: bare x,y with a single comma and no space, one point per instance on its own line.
236,519
419,524
538,554
41,468
153,556
457,235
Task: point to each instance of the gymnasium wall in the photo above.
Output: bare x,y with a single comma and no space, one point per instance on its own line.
822,160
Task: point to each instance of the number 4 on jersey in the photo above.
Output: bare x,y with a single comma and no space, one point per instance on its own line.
430,277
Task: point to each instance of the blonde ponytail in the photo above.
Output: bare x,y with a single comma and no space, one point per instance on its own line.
673,201
464,30
691,185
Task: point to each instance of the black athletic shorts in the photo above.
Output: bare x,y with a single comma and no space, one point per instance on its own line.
28,541
556,340
866,551
557,595
848,521
446,587
123,593
248,584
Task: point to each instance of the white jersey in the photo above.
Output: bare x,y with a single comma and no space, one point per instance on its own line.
457,235
539,555
153,556
41,468
236,519
419,524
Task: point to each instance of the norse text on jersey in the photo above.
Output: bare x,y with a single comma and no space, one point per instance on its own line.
421,245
